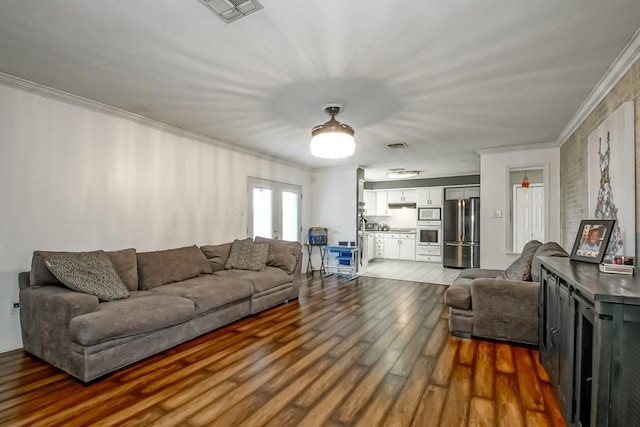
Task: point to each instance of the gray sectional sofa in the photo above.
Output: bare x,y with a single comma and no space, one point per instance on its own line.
500,304
173,296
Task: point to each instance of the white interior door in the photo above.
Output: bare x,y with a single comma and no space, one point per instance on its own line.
529,215
274,209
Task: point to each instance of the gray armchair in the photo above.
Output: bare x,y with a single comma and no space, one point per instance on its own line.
500,304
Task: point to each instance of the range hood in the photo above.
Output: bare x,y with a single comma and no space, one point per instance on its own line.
406,205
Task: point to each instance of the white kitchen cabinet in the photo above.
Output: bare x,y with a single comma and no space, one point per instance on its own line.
382,204
430,196
371,246
462,193
402,196
392,246
370,203
400,246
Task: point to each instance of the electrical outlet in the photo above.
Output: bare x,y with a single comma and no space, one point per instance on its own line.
14,307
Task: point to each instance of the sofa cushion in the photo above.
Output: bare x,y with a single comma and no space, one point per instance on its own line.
88,272
171,265
459,294
262,281
132,316
209,292
123,260
246,255
520,269
217,255
546,249
282,254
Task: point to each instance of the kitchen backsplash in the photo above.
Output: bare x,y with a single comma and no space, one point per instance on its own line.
398,218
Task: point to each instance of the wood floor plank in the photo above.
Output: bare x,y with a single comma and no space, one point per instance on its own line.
467,351
482,413
446,362
405,406
363,352
380,403
456,406
504,359
530,391
508,408
430,408
483,379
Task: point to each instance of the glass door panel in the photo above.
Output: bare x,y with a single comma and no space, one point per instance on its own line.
290,216
262,212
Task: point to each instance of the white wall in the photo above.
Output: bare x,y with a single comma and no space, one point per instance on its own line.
72,178
494,196
334,204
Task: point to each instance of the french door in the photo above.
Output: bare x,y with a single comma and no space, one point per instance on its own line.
274,209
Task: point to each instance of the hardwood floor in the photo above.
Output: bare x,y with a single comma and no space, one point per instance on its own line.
361,353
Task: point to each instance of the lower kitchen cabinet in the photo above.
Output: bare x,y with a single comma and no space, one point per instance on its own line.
589,330
400,246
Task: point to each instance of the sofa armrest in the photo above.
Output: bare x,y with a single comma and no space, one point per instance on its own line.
505,309
45,314
477,273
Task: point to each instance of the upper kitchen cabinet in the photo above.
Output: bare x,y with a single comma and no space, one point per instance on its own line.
370,203
382,204
402,196
461,193
430,196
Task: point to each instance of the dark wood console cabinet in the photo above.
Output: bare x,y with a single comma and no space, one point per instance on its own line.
589,325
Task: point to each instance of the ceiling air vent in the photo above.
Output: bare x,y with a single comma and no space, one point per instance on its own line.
232,10
397,145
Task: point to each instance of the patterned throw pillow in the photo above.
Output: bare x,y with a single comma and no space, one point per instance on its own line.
88,272
245,255
521,268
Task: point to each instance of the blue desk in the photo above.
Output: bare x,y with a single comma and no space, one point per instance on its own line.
344,262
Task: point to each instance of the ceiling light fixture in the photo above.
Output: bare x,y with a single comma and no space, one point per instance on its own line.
332,140
402,174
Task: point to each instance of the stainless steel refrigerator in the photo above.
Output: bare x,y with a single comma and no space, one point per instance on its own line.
461,224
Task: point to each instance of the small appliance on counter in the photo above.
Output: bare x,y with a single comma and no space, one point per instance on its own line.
371,226
384,227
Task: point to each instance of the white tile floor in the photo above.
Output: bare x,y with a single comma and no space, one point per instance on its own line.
415,271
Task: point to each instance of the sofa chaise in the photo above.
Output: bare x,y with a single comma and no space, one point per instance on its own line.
171,296
500,304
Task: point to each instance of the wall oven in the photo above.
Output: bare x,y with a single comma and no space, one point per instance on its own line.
429,235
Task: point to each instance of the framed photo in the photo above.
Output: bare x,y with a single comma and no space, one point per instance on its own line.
592,240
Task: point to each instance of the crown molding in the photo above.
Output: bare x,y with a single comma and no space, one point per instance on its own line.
520,147
78,101
629,55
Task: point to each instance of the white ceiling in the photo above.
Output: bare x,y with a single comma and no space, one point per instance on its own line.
448,77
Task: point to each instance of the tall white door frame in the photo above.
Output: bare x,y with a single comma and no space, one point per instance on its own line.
285,214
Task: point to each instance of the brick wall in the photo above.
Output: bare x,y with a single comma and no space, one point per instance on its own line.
573,157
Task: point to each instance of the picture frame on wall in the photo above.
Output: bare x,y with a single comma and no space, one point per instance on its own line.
592,240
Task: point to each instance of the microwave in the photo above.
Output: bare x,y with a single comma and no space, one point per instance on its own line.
429,214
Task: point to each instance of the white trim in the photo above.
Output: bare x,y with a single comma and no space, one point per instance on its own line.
629,55
520,147
69,98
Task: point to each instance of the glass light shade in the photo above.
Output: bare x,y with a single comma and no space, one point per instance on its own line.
332,145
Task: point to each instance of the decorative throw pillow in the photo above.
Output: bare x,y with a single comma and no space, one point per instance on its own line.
245,255
521,268
282,254
88,272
